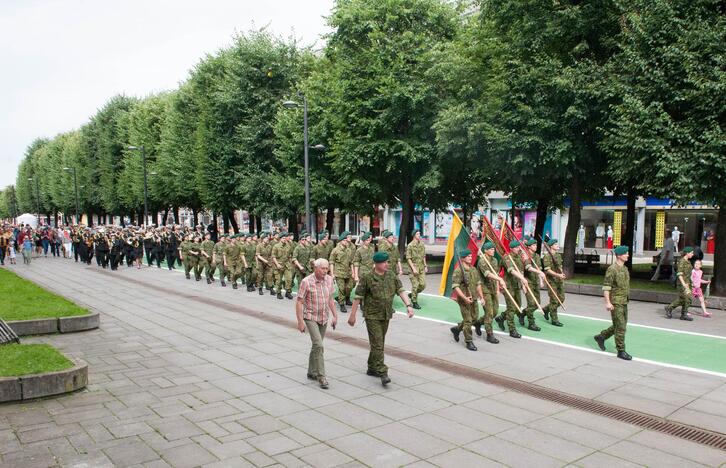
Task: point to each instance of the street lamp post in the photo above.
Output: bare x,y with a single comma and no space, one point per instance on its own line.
75,186
146,191
294,105
37,197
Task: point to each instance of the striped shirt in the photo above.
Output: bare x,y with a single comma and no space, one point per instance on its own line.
316,295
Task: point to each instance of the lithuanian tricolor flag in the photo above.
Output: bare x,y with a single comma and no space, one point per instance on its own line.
459,239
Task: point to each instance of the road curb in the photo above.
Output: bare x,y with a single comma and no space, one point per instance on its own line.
56,325
28,387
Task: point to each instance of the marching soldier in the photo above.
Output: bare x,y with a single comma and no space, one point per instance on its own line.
340,268
376,291
194,253
466,286
388,246
685,288
416,258
264,265
491,283
324,246
515,283
232,260
301,258
553,269
248,254
218,259
363,258
206,250
281,255
534,274
616,289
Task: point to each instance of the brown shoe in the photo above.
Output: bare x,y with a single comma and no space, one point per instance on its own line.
323,382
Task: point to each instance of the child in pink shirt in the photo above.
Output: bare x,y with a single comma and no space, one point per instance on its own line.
697,280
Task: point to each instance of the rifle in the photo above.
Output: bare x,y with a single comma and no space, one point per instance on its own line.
504,288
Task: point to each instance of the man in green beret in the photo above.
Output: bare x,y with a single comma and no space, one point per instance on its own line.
388,246
248,253
491,283
683,276
184,247
341,259
616,289
416,259
194,253
281,257
533,273
324,246
231,260
264,264
363,258
466,288
218,259
376,291
301,258
205,258
553,269
515,280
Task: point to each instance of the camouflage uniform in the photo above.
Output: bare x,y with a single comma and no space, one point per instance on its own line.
416,253
376,293
251,272
232,254
218,260
341,258
514,287
302,254
363,259
489,287
282,252
392,250
531,272
469,312
264,270
554,262
617,281
205,261
684,295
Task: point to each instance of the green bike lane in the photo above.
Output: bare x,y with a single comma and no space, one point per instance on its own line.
651,344
657,345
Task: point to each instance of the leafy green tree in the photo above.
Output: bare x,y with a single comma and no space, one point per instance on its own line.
381,51
28,200
669,128
9,202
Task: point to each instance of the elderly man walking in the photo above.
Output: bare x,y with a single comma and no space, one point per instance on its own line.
314,304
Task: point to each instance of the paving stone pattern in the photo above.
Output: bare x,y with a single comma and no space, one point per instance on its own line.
174,381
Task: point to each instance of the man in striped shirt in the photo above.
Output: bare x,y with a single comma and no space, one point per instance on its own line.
314,304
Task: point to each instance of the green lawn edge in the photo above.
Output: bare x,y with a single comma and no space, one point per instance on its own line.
25,300
17,360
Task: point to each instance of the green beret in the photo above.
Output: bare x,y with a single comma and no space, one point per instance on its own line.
387,233
487,245
321,236
380,257
621,249
530,241
688,249
263,235
464,253
303,234
552,242
343,235
513,244
413,233
526,237
365,237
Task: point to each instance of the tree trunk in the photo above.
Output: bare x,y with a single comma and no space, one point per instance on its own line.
407,213
163,218
225,222
718,285
542,209
195,215
341,221
630,227
573,224
329,219
292,225
233,222
258,223
176,215
90,217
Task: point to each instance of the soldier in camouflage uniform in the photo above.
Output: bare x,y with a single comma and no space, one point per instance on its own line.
491,283
249,258
340,268
533,273
685,288
281,257
376,291
301,258
205,258
231,258
388,246
515,281
218,259
466,288
616,289
416,258
193,254
264,264
553,269
363,258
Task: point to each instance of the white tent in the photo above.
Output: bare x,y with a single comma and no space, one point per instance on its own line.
27,218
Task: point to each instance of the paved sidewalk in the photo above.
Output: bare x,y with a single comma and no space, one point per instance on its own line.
182,381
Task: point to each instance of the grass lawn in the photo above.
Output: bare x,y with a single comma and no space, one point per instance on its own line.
23,300
25,359
635,283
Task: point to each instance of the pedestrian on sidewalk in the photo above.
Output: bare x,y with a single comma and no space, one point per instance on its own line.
697,280
313,306
683,277
376,291
616,289
27,249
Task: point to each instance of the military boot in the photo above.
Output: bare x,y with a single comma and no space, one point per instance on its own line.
491,338
234,286
279,294
415,305
668,312
343,310
600,342
288,294
224,285
546,312
532,326
686,317
470,346
520,315
477,328
514,334
455,331
557,323
261,292
385,380
625,356
500,322
209,280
